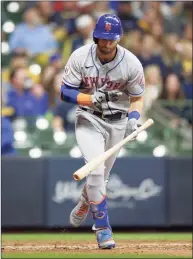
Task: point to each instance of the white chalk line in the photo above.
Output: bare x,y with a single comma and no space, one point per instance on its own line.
168,246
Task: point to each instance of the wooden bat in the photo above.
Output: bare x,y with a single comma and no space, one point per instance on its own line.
95,162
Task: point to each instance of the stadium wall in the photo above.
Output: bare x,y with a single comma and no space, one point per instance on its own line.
142,192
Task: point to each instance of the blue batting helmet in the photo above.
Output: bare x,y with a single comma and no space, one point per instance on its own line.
108,27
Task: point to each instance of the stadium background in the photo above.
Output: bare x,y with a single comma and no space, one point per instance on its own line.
38,147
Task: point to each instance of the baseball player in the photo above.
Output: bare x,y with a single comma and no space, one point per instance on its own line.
107,82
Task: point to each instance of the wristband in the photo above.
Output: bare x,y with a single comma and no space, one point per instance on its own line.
134,115
68,94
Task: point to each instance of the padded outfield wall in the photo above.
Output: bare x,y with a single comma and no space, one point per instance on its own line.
142,192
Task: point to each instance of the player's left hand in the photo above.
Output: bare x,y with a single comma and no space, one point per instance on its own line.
132,125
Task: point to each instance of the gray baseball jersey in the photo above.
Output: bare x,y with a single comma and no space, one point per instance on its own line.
85,72
125,73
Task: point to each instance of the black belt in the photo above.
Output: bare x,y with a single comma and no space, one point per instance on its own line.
114,116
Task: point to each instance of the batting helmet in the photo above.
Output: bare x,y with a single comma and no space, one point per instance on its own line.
108,27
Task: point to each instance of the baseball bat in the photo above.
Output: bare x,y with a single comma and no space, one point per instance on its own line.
95,162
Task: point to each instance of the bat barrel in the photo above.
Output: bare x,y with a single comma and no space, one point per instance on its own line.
94,163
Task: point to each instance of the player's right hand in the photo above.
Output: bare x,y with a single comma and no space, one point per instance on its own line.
101,96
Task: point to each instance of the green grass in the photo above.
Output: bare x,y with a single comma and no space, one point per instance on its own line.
89,236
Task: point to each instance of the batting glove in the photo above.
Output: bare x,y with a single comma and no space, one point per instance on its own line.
101,96
132,123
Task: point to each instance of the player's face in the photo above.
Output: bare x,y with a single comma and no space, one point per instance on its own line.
106,46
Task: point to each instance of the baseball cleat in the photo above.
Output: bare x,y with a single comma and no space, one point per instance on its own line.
102,226
80,212
105,239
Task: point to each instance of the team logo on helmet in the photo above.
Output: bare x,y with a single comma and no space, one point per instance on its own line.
107,26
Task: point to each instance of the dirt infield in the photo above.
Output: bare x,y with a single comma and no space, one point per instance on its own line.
177,248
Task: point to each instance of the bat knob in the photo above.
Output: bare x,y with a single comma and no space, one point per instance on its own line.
76,177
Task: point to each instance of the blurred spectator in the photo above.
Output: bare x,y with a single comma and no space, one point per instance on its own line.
26,98
172,14
84,27
170,54
187,34
46,11
148,55
32,36
172,89
48,76
113,4
63,113
185,52
157,30
18,59
172,92
132,41
186,73
129,21
149,16
7,139
153,86
187,10
65,15
57,86
64,116
55,20
86,7
101,8
52,15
